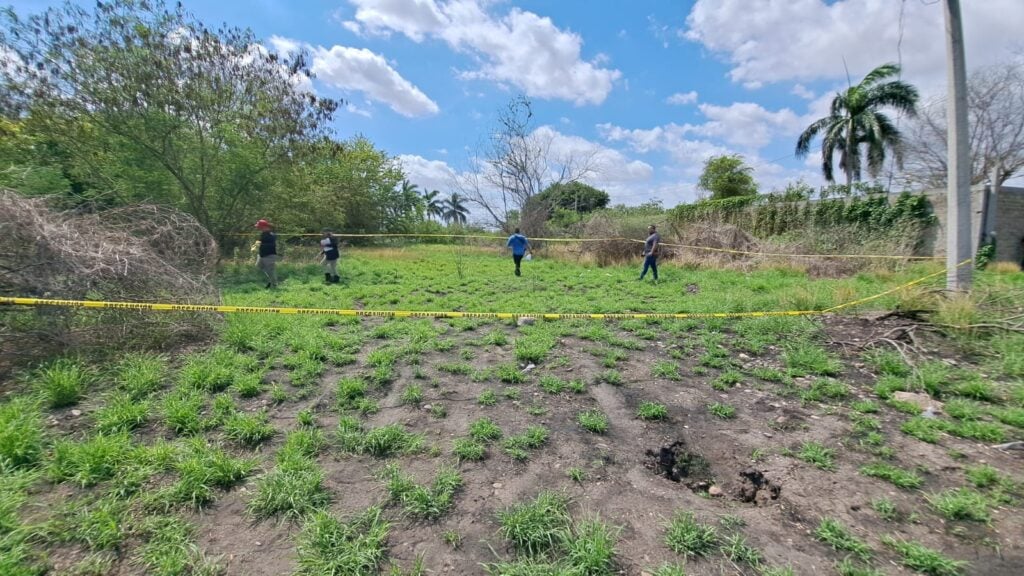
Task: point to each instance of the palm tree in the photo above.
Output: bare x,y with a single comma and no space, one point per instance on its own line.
855,120
435,207
454,209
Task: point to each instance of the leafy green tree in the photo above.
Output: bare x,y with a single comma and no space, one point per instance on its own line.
855,122
575,196
727,176
136,83
455,209
349,185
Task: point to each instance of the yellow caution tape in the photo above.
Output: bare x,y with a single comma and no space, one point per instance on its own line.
167,307
164,307
896,289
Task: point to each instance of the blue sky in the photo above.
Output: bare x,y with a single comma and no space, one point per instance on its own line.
647,89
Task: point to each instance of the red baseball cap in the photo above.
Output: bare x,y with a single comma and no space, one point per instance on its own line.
261,223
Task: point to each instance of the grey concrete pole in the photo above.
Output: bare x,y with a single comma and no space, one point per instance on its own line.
958,238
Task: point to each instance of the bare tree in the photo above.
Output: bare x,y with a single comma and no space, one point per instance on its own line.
995,101
517,163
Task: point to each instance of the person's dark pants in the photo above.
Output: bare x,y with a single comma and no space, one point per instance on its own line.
517,258
652,263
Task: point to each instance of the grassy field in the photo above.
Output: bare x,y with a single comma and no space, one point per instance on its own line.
358,446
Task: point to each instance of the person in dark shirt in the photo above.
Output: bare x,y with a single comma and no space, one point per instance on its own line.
520,246
331,253
651,252
267,261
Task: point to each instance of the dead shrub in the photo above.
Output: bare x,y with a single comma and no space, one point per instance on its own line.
141,253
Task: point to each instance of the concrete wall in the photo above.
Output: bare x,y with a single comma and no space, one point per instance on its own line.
1009,225
1008,215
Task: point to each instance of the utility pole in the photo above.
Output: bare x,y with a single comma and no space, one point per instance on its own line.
958,162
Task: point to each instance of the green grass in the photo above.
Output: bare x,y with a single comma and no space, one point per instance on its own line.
923,559
182,411
249,429
169,549
62,382
484,430
613,377
536,528
651,411
666,369
290,491
887,362
818,455
380,442
576,474
98,525
428,503
822,389
552,384
924,429
839,537
534,346
412,395
803,357
724,411
727,380
21,432
885,508
735,548
458,368
510,373
140,374
468,449
983,476
518,446
983,431
686,536
201,469
487,398
961,504
121,413
897,476
90,461
357,547
593,421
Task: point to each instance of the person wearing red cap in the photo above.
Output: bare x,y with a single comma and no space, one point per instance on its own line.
267,262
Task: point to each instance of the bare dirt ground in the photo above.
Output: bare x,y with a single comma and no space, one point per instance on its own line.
639,473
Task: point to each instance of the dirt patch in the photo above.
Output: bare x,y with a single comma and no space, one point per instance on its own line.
678,464
755,487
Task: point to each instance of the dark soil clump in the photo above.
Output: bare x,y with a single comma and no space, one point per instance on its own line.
754,487
679,465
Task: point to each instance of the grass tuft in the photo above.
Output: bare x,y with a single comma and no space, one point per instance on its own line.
839,537
685,535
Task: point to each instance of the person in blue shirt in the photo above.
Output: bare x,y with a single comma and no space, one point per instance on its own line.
520,246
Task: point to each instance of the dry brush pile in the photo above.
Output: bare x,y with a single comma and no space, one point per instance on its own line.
141,253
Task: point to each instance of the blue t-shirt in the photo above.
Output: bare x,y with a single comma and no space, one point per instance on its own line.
518,243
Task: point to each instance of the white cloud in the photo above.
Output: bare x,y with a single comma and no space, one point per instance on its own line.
358,69
367,72
769,41
520,48
353,109
427,174
414,18
801,91
285,46
747,124
611,169
682,98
